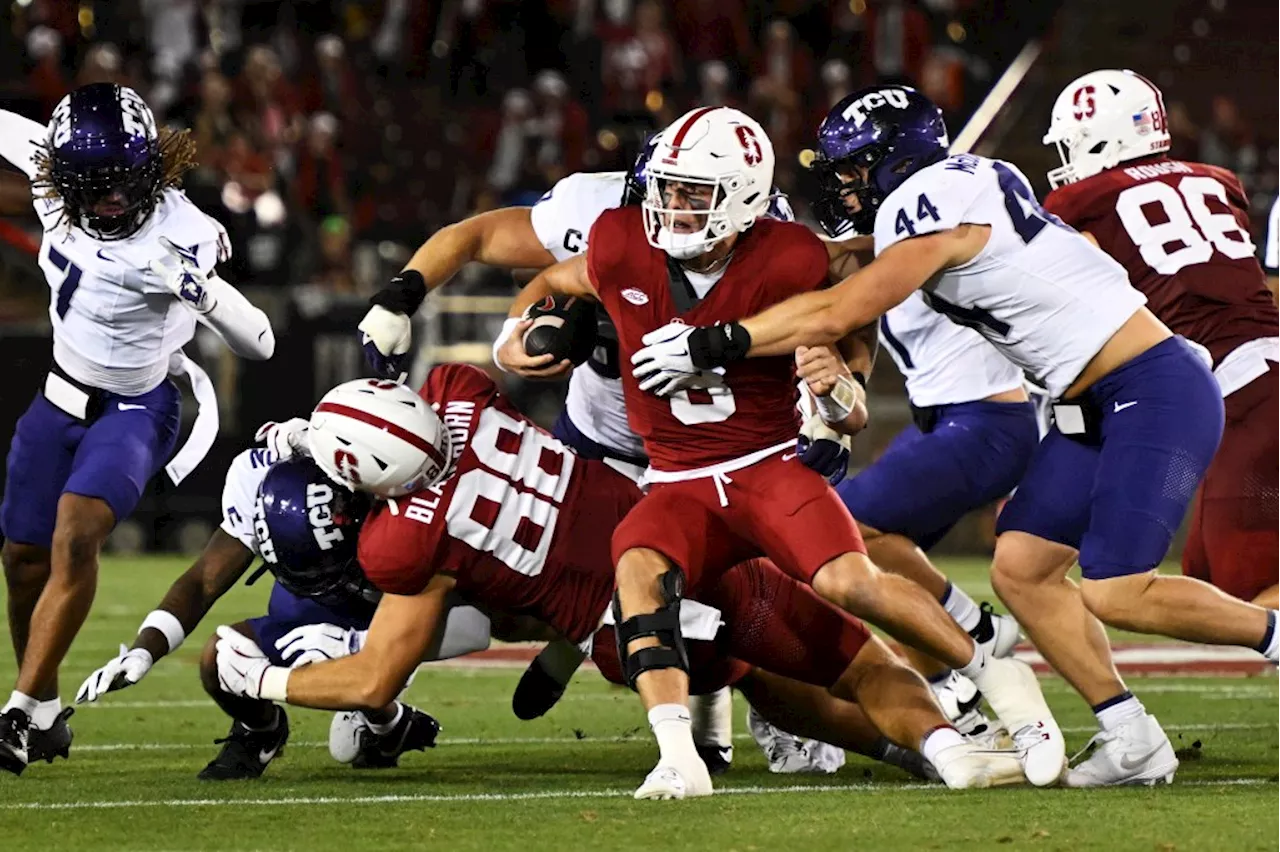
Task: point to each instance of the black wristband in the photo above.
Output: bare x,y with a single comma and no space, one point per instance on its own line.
404,294
718,345
860,378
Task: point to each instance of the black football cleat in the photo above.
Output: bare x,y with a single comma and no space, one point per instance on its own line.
14,730
536,693
717,758
416,731
53,741
245,753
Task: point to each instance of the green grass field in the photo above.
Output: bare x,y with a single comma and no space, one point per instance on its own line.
564,782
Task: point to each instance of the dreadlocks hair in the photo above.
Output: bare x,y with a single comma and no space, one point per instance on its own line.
177,156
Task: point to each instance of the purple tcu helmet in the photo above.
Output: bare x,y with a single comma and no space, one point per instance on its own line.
105,160
636,189
307,527
892,132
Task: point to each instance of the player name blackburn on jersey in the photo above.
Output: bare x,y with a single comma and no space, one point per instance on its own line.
1039,291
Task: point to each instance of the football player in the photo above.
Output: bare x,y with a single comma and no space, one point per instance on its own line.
1181,231
275,498
130,265
594,419
722,485
481,501
1138,414
973,435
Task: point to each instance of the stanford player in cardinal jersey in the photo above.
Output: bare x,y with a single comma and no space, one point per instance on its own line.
517,523
1181,231
724,483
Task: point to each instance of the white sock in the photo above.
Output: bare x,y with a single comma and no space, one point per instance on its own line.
939,739
673,729
712,717
46,714
381,728
1270,647
21,701
1121,711
961,607
973,669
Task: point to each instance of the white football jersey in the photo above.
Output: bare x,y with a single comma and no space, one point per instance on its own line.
943,363
115,325
240,493
562,219
1043,295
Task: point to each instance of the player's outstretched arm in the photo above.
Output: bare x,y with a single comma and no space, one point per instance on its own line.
825,316
244,328
402,630
20,139
503,237
222,563
567,278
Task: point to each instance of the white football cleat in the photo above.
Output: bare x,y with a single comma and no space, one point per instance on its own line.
967,766
997,634
788,754
961,703
1013,692
668,782
344,735
1137,751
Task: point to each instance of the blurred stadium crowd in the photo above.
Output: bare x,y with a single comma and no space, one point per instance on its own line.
329,127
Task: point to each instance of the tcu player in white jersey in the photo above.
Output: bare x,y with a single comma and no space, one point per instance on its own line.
130,264
594,420
278,505
1137,419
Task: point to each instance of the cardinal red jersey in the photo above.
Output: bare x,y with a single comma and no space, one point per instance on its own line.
1181,231
522,523
754,407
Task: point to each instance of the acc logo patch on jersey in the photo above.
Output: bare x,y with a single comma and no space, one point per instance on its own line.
635,297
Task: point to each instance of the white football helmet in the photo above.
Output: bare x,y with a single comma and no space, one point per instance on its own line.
1103,119
380,437
716,146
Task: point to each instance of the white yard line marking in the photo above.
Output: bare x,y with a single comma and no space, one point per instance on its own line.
511,797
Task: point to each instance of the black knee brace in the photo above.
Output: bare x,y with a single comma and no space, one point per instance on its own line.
663,624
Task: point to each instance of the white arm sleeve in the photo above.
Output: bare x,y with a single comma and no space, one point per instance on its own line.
245,328
20,138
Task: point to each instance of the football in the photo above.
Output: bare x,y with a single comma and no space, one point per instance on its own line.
564,326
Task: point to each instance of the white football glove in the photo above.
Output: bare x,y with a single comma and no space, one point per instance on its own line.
285,439
126,669
314,643
664,366
242,667
386,337
181,275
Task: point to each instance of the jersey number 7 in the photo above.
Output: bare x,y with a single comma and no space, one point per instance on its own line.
70,280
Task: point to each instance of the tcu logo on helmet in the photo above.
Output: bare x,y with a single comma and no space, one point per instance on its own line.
319,513
346,465
857,111
751,152
1084,103
266,548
